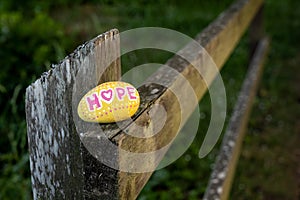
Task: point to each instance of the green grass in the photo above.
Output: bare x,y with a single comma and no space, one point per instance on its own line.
35,34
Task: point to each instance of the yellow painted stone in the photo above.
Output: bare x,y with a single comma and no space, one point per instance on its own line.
109,102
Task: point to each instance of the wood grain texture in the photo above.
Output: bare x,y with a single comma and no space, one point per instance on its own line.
222,175
219,39
61,167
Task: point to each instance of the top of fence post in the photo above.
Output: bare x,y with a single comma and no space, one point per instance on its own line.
60,165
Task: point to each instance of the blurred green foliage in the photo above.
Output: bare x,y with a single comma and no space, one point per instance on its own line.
30,40
268,165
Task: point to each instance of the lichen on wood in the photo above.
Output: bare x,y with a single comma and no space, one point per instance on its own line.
59,162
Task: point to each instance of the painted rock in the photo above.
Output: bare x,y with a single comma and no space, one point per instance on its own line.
109,102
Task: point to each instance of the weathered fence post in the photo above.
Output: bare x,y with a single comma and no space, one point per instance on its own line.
60,165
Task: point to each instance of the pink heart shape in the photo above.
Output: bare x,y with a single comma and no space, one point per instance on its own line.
107,95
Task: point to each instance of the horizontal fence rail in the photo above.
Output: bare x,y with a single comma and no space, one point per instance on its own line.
222,175
62,166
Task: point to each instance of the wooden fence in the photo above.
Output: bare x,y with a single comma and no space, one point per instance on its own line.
62,167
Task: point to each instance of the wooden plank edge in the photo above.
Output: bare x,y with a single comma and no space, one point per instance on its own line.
52,138
221,178
222,35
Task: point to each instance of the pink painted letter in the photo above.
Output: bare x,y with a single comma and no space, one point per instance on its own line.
120,93
93,102
131,93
